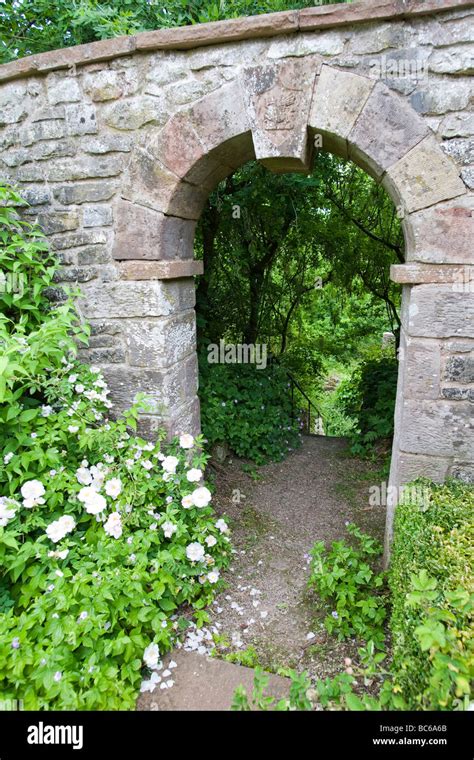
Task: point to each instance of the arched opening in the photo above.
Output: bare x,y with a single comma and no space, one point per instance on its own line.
277,252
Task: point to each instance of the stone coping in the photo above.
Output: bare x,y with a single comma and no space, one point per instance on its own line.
232,30
414,273
159,270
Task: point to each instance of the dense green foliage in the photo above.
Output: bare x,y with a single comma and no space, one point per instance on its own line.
102,536
33,26
431,580
249,409
345,577
367,396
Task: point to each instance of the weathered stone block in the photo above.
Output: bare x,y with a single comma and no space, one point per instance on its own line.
338,99
177,145
439,97
423,177
385,131
63,89
81,119
437,428
142,233
160,342
72,274
43,130
301,45
462,151
150,184
136,112
57,170
443,233
76,239
454,393
48,113
413,466
85,192
13,104
220,116
122,299
436,311
97,216
104,355
278,101
458,60
375,39
467,176
36,196
463,471
457,125
58,221
103,85
159,270
166,390
93,254
422,361
107,144
459,369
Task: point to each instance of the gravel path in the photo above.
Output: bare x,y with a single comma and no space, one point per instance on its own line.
267,612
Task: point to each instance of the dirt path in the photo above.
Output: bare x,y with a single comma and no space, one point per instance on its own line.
267,613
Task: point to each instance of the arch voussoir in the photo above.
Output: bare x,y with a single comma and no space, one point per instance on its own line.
423,176
339,97
385,130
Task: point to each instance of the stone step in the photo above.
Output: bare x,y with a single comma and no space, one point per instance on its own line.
205,683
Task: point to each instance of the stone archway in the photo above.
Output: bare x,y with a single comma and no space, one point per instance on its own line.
267,100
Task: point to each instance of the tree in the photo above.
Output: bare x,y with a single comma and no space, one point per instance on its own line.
271,242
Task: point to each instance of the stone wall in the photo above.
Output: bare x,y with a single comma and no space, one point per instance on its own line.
117,144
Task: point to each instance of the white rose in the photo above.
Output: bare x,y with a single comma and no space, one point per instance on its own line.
187,501
195,552
186,441
194,475
32,492
213,576
93,501
169,528
222,526
67,523
83,476
32,489
201,497
113,525
151,656
73,428
7,512
147,464
60,528
170,464
211,541
113,487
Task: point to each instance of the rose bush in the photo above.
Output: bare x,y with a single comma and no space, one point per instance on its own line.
103,535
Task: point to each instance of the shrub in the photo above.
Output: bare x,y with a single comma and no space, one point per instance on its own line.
368,397
344,576
432,591
103,535
249,409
